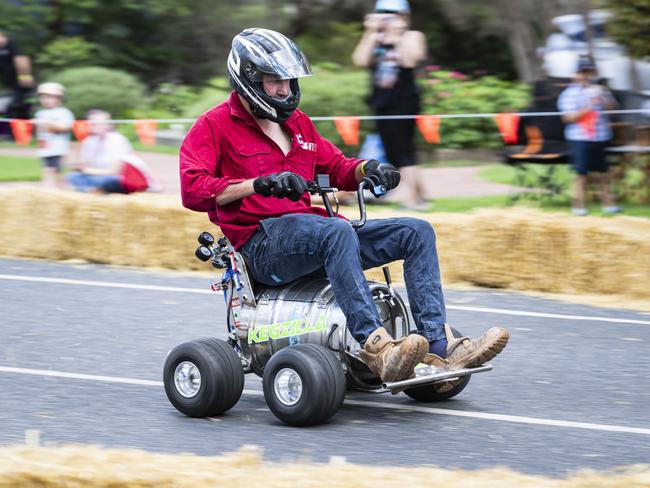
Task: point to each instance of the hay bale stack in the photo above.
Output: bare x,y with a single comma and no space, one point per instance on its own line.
504,248
138,230
94,467
530,250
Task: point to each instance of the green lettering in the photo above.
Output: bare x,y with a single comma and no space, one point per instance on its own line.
321,323
264,333
253,335
275,331
286,329
295,327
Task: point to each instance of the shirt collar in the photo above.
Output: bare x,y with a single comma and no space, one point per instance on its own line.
238,110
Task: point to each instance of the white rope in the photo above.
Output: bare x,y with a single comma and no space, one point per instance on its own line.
388,117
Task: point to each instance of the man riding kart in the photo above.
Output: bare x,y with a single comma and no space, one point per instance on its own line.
247,162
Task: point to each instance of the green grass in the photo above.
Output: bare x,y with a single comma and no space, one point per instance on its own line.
16,168
557,203
455,163
138,146
459,205
504,174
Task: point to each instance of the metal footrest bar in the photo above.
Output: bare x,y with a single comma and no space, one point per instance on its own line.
437,376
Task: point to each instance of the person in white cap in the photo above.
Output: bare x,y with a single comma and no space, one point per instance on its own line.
392,52
53,123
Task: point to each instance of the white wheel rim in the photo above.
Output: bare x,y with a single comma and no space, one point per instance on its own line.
187,379
287,386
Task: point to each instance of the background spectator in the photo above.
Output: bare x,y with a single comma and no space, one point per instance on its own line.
15,80
588,134
135,176
53,124
392,52
101,155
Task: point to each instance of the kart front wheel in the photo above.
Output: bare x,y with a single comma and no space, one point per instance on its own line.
304,385
203,378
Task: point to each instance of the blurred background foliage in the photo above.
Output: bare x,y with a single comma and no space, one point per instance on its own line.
446,92
96,87
632,26
166,58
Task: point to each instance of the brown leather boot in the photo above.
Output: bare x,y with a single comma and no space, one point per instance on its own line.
463,352
393,360
435,361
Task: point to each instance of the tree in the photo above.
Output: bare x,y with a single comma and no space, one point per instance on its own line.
179,40
631,25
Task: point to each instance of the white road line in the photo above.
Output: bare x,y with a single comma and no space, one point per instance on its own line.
525,313
105,284
521,313
362,403
503,418
79,376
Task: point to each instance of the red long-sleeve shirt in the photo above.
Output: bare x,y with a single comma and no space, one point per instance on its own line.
225,146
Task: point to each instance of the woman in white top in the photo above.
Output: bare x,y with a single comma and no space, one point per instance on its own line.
392,51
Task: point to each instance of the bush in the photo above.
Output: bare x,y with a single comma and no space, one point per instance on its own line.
94,87
334,90
66,52
334,42
217,91
445,92
331,92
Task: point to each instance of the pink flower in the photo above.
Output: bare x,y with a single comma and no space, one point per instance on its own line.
432,67
457,75
444,94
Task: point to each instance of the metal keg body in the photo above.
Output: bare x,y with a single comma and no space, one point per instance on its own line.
306,312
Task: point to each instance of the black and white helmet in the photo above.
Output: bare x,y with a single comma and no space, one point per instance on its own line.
256,52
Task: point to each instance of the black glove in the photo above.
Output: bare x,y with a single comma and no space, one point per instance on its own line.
384,173
281,185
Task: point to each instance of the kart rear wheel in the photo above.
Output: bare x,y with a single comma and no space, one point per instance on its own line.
203,378
304,385
440,391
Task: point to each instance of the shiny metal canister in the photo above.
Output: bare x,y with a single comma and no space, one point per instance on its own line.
305,311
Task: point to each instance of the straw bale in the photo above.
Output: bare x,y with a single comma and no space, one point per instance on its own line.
92,466
520,249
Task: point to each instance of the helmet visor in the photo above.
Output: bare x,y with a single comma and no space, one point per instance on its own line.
286,64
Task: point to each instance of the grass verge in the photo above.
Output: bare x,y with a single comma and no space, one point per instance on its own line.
18,168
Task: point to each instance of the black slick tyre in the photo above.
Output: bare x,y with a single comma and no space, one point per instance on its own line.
304,385
203,378
439,391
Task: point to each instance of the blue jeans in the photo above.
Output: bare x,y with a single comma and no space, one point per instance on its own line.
296,245
85,183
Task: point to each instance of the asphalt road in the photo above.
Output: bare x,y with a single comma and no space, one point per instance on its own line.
82,363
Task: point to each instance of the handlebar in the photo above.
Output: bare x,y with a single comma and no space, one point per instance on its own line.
321,187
